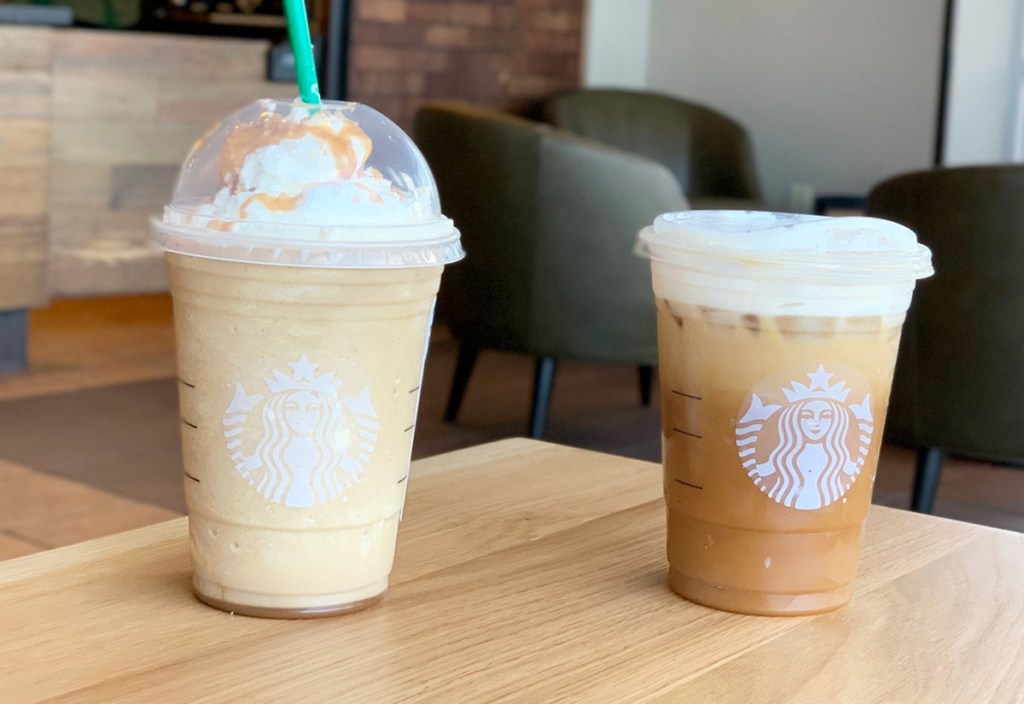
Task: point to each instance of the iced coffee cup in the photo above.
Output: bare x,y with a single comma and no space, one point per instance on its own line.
777,340
304,247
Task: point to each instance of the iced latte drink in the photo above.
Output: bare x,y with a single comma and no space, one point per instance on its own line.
777,340
304,247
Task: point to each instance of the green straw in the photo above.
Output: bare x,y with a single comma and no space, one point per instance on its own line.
302,49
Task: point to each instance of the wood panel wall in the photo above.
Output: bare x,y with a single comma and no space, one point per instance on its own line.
25,102
126,109
93,128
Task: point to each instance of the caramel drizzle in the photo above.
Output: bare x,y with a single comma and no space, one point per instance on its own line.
348,144
342,142
281,202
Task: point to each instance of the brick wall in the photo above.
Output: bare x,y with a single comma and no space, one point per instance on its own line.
507,54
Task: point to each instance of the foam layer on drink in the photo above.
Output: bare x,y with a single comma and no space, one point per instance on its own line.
751,231
781,264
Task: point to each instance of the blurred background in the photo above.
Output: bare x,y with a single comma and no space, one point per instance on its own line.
101,99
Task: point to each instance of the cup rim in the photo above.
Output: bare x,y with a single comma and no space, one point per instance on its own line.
435,245
666,241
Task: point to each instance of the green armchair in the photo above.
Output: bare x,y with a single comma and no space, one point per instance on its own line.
960,373
548,221
709,153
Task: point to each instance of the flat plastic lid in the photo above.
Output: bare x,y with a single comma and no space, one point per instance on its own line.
334,185
810,245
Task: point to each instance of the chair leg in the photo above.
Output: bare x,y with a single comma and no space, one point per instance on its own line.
926,479
463,368
543,383
645,373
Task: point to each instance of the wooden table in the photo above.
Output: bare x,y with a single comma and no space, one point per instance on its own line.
526,572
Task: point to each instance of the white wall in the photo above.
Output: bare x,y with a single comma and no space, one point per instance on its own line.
838,94
616,45
984,69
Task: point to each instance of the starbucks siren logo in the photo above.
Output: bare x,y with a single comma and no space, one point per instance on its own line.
300,445
805,450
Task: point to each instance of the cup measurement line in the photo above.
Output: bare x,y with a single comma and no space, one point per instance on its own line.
414,389
689,484
403,479
686,395
182,381
688,433
193,478
191,425
409,428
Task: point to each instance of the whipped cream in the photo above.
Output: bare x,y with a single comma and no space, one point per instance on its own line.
306,168
333,185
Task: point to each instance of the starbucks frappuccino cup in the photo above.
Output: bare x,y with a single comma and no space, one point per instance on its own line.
777,341
304,247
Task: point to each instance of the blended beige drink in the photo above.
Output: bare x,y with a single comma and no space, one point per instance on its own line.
304,264
777,340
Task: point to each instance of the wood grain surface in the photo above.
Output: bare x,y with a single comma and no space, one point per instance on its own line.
526,572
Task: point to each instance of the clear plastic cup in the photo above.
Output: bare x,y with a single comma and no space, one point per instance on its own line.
777,341
304,247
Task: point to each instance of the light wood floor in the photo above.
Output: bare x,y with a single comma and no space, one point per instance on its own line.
116,342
